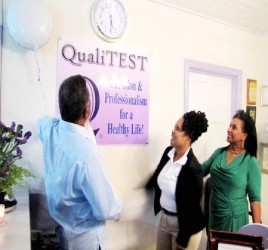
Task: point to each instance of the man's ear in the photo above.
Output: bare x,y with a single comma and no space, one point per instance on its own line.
87,112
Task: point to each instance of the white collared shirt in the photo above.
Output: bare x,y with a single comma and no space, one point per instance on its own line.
167,180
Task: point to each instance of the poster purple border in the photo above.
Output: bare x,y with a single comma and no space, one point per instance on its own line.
118,81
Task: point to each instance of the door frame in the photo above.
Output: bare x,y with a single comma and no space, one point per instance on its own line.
215,70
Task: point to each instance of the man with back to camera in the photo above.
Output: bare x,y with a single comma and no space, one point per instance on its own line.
79,194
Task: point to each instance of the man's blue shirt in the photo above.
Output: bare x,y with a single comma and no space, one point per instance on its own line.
80,196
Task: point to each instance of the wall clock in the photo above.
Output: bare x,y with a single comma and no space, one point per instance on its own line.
109,19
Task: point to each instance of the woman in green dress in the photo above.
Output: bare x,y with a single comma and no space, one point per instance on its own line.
235,177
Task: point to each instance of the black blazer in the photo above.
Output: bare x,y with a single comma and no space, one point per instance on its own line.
189,191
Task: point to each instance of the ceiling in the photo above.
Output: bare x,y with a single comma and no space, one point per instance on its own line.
250,15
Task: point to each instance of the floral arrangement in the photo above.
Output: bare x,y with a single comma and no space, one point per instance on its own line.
11,174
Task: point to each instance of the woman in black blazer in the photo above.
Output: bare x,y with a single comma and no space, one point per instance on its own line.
178,184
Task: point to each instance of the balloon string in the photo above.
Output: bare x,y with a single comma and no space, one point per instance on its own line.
37,64
40,82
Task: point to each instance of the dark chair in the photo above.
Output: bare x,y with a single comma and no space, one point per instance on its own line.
45,232
207,192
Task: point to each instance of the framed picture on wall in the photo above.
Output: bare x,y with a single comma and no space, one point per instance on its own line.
264,95
251,92
264,157
251,110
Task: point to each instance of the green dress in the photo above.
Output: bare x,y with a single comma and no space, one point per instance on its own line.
232,186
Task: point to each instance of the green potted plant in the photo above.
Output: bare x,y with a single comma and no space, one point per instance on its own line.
11,138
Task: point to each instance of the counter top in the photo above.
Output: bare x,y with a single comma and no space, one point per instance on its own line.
16,233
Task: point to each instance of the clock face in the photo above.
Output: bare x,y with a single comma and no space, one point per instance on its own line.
109,19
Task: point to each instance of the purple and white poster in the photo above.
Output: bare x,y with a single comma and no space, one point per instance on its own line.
118,81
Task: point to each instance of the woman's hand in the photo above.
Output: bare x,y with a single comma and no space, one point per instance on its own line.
178,247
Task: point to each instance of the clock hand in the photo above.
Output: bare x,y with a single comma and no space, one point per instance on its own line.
111,23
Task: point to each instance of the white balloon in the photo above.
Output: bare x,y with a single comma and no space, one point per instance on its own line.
30,23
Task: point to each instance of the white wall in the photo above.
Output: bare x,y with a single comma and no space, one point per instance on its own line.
170,36
262,117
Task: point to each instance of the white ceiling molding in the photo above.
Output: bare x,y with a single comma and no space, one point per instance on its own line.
249,15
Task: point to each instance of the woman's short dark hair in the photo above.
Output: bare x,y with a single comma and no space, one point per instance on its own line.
249,128
73,98
195,123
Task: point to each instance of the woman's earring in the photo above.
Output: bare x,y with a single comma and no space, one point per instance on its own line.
243,144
